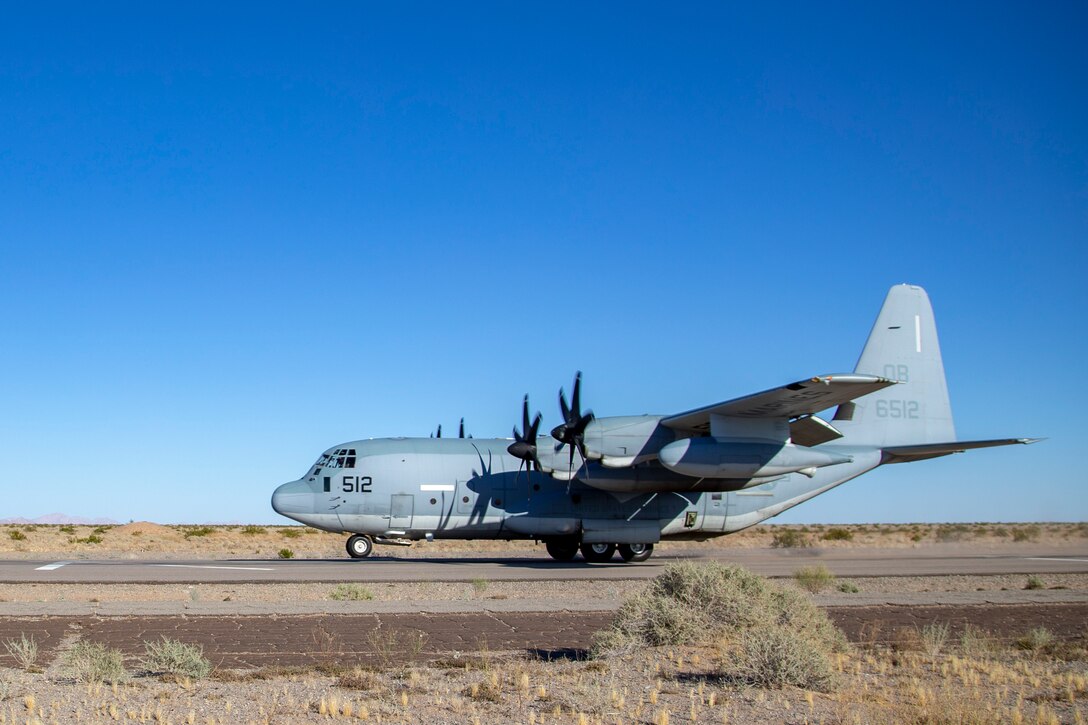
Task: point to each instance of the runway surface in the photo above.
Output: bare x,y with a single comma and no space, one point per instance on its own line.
929,561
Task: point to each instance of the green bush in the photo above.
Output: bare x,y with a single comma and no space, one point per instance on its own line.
350,593
848,588
1035,582
172,657
814,578
838,533
17,535
67,529
953,532
253,530
292,533
199,531
92,539
789,539
286,554
93,662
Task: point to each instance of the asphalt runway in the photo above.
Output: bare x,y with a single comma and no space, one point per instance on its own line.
927,561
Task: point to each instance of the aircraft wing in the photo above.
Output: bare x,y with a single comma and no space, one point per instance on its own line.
905,454
804,397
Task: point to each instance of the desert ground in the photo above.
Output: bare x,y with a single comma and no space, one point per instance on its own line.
144,539
1008,662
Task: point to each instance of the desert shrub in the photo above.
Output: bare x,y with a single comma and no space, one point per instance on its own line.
286,554
1037,639
1025,533
67,529
173,657
700,603
933,637
252,530
91,539
101,529
93,662
1000,531
1035,582
837,533
789,539
848,588
775,657
479,585
291,533
351,593
23,650
199,531
814,578
952,532
16,535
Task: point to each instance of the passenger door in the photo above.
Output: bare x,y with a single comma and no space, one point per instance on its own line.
400,511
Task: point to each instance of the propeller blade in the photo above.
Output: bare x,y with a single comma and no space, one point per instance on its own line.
461,429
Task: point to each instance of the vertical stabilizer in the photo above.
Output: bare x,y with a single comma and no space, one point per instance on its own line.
902,346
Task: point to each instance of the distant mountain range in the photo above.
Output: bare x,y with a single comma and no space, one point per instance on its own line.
60,519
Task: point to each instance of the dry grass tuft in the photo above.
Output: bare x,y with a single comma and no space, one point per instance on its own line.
91,662
172,657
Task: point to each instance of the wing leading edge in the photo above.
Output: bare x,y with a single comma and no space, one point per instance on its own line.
803,398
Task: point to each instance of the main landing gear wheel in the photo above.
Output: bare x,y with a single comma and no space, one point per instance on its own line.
359,547
598,553
636,552
561,550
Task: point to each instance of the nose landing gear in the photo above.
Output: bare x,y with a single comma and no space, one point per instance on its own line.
360,547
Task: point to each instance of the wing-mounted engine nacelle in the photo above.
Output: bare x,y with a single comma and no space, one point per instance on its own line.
717,458
622,441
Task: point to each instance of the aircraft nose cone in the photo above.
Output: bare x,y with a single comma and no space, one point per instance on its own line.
292,498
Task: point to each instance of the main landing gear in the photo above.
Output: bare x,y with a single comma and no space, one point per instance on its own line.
567,549
360,547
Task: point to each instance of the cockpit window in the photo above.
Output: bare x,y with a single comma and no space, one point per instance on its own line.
340,458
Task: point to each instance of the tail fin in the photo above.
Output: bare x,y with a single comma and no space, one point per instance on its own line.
902,346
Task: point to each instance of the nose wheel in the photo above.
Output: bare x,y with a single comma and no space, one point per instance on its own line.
359,546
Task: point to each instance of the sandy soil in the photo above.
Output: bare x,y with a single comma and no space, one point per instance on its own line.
149,540
660,686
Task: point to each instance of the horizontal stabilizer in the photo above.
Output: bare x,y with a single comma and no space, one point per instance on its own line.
805,397
905,454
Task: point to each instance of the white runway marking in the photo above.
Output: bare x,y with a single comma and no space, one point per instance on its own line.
54,565
202,566
1050,558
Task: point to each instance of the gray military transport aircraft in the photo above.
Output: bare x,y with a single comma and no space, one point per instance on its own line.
601,485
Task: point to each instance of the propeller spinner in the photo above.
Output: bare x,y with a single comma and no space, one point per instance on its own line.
572,431
524,445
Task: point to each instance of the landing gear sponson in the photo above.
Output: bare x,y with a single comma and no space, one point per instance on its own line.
361,546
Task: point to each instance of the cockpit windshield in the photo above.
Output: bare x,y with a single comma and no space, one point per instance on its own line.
340,458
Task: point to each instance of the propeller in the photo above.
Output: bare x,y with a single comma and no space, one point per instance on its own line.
572,431
461,429
524,445
437,434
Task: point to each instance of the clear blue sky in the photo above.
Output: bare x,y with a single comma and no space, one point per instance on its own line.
234,235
